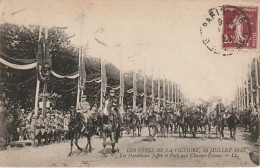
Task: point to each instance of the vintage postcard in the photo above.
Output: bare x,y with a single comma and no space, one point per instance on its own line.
129,83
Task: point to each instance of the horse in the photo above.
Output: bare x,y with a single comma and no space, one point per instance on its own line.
220,122
110,126
75,127
152,123
79,126
126,122
134,123
173,121
203,122
193,123
211,122
140,124
164,122
233,122
182,124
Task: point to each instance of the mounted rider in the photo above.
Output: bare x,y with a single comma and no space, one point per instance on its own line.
83,109
111,106
220,110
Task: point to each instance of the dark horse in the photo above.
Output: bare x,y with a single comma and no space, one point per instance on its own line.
194,122
165,122
152,123
203,123
220,122
110,126
182,123
134,123
233,122
77,127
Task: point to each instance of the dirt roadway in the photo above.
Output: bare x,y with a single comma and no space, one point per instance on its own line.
140,151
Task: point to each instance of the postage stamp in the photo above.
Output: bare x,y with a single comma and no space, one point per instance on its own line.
240,27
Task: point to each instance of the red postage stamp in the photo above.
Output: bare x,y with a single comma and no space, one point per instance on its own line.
240,27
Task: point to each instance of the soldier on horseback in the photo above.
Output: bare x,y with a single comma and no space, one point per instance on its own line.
220,110
112,106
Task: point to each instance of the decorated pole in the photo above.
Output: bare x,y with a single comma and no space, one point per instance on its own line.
237,98
256,82
244,94
81,68
247,86
168,90
175,93
251,85
122,84
159,89
152,87
164,90
134,85
103,82
45,84
145,93
172,92
38,80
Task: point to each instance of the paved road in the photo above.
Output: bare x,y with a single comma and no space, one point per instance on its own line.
140,151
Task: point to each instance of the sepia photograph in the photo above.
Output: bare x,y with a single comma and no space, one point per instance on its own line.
129,83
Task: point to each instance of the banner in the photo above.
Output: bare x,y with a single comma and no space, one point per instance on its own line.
16,66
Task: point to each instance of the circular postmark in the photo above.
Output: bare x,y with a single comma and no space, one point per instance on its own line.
225,28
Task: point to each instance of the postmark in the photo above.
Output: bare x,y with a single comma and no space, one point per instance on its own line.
240,27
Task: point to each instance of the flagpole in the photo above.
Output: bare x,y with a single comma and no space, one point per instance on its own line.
247,87
38,83
172,91
144,100
79,66
134,85
257,85
175,93
101,84
159,89
168,90
121,97
164,90
152,87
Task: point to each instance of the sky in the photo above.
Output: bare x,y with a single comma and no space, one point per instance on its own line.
164,35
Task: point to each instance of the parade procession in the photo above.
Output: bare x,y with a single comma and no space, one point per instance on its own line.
85,83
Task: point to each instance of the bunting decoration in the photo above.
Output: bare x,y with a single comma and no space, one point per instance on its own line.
72,76
130,91
97,80
19,67
114,88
